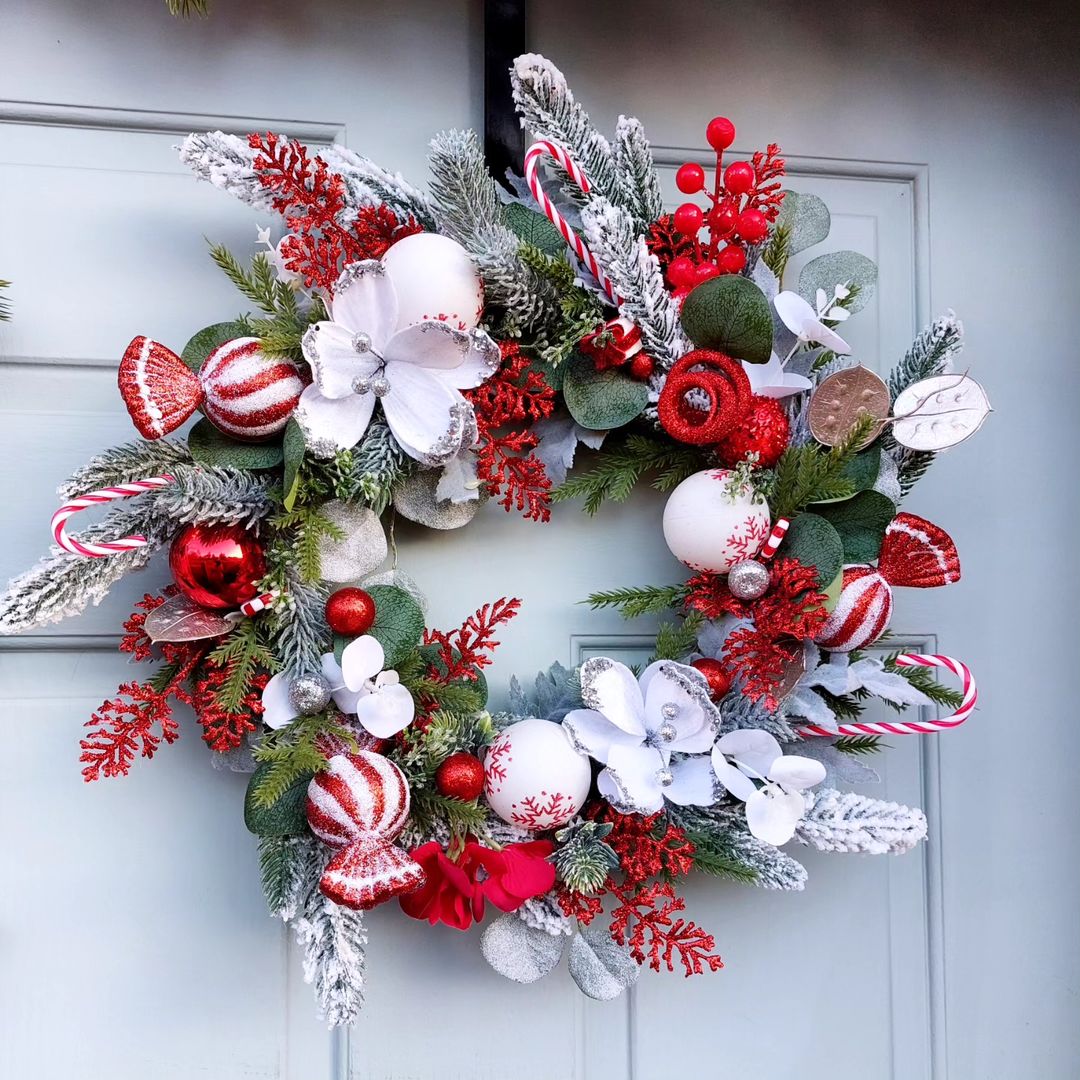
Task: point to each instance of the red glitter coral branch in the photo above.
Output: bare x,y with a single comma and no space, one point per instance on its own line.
516,396
224,730
461,652
646,846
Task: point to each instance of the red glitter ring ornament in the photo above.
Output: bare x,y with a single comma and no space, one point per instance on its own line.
723,383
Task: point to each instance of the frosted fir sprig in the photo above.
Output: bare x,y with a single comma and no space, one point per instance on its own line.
227,162
216,496
933,352
636,169
124,464
333,939
846,821
299,628
368,184
290,867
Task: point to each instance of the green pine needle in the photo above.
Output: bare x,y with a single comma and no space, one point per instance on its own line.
645,600
675,639
243,654
924,679
859,745
186,8
710,857
292,751
5,304
778,250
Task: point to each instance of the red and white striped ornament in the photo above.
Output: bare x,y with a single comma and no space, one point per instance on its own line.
861,614
243,392
776,536
912,727
359,803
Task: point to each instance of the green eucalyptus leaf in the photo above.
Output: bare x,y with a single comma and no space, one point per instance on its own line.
730,314
814,542
293,451
832,592
839,268
286,817
399,622
202,344
861,522
808,219
209,446
601,400
533,228
862,472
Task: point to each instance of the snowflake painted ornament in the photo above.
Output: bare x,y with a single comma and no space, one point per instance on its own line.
709,526
533,776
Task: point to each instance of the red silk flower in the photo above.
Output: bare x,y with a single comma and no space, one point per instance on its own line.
455,889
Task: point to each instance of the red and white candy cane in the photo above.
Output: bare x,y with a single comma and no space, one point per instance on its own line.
913,727
100,550
768,549
259,603
533,156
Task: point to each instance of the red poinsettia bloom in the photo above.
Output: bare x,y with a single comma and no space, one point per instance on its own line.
455,889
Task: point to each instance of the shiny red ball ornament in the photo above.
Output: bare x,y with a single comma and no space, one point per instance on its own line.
715,675
720,133
460,776
764,431
350,612
642,367
680,271
731,260
722,220
690,178
217,566
688,219
705,271
739,177
752,226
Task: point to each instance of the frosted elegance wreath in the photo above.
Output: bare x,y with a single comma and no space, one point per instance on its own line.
418,354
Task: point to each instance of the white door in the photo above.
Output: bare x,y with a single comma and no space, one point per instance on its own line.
133,939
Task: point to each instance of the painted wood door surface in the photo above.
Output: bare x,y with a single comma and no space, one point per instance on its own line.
133,937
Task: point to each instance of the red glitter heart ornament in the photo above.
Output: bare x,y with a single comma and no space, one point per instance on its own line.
158,388
918,554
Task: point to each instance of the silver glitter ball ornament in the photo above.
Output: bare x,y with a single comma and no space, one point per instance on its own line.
380,386
748,579
667,732
361,342
664,777
361,385
309,694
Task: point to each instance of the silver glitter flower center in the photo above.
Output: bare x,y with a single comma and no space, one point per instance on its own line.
665,777
361,342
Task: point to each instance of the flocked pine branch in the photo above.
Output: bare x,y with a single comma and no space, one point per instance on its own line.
5,304
290,867
227,162
846,821
377,464
637,171
368,184
301,634
123,464
216,496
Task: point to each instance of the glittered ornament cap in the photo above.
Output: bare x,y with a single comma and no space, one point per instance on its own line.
359,804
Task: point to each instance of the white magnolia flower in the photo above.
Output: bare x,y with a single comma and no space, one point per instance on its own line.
771,379
806,323
774,809
359,686
416,371
634,726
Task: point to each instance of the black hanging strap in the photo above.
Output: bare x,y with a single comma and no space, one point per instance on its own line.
506,35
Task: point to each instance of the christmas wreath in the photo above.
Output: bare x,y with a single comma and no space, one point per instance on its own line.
417,354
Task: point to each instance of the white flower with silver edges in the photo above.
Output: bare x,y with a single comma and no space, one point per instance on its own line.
635,726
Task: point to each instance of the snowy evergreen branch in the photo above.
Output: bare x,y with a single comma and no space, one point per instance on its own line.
846,821
62,584
216,496
468,209
637,171
227,162
636,276
738,711
775,869
377,464
123,464
290,867
368,184
300,632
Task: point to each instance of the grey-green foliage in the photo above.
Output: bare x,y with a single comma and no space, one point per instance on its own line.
738,711
290,867
467,208
377,464
847,821
123,464
298,625
333,939
368,184
555,692
216,496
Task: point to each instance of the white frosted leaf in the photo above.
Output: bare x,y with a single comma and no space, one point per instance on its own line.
939,412
181,619
518,951
601,968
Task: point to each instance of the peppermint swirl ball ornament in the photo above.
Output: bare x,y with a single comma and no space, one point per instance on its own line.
861,614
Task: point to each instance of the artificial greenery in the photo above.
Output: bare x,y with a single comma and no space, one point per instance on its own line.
244,653
674,640
777,250
859,745
292,751
583,860
639,600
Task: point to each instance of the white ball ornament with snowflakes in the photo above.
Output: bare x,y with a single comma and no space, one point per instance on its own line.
533,777
434,278
709,526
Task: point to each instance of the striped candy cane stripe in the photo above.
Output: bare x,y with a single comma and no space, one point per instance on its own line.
913,727
259,603
768,549
101,550
533,157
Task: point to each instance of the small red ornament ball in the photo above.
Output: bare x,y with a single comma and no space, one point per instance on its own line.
765,431
715,675
739,177
642,367
460,776
680,271
217,566
690,178
705,272
731,260
722,220
688,219
350,612
720,133
752,226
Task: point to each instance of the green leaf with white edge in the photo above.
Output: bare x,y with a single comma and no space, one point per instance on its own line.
399,622
807,218
202,344
839,268
293,451
861,522
286,817
861,471
601,968
520,952
209,446
531,227
601,400
814,542
730,314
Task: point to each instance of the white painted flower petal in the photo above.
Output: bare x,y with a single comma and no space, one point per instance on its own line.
634,771
386,712
772,814
365,301
794,311
693,782
797,773
740,786
420,411
339,422
277,709
610,688
693,735
335,363
756,749
593,734
820,333
362,659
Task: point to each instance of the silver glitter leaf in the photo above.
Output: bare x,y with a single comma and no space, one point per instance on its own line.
181,619
601,968
415,499
518,951
362,551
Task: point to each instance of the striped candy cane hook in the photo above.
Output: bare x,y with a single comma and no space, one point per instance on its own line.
768,549
95,498
913,727
533,157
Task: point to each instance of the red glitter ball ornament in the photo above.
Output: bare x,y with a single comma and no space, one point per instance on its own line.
764,430
460,776
642,367
350,612
217,566
715,675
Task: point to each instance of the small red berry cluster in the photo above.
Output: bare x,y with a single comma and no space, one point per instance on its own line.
746,196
